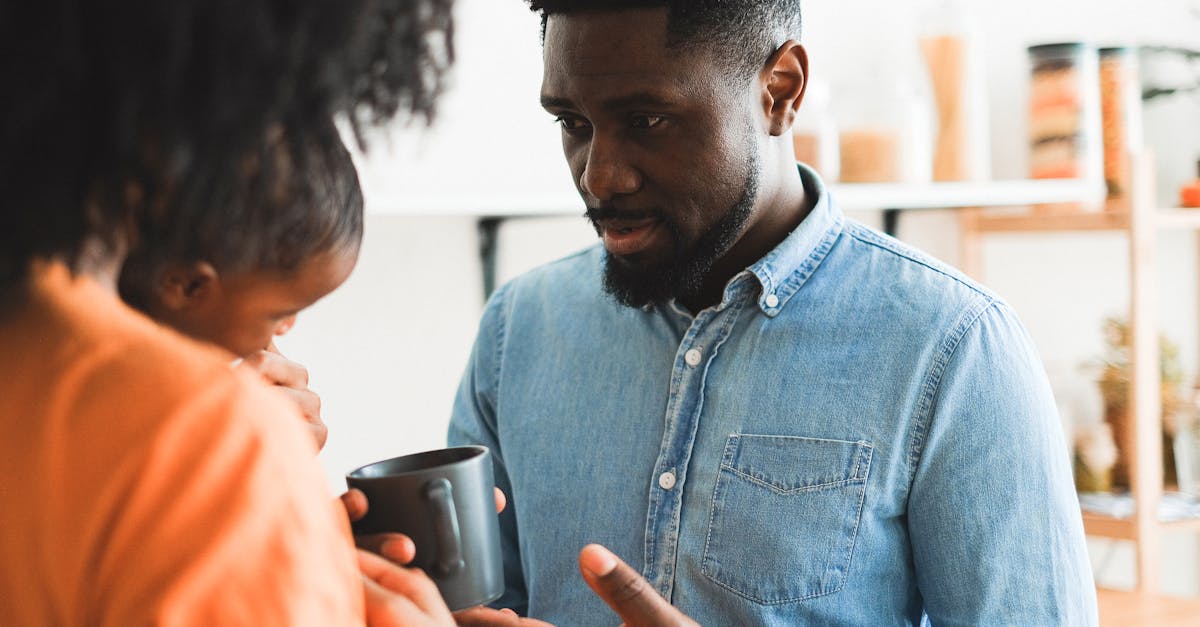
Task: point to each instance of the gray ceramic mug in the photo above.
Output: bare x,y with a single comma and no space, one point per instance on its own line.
444,501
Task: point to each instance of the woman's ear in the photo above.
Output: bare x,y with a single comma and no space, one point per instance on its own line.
784,79
188,286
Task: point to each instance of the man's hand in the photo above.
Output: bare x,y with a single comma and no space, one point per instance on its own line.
400,597
626,592
291,379
621,587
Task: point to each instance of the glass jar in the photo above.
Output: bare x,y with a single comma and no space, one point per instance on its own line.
886,131
952,45
1121,115
1064,112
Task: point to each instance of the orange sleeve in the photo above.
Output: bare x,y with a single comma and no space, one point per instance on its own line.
227,521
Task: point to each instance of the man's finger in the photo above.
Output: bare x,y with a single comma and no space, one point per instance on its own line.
625,591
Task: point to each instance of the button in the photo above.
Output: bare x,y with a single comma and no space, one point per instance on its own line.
666,480
772,301
692,357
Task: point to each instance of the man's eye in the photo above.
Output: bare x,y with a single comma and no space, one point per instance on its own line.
570,123
646,121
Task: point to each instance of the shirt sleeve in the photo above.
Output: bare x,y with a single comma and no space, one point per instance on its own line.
228,521
995,525
474,421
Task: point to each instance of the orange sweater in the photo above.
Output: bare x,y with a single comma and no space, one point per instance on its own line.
142,481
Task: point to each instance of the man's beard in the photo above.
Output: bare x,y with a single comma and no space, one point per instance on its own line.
680,276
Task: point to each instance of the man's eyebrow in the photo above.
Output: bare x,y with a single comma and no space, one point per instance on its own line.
634,100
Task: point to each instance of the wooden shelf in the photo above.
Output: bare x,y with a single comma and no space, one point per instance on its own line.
1120,608
1178,218
1189,524
1166,219
1137,218
1103,526
1108,527
1052,222
1015,193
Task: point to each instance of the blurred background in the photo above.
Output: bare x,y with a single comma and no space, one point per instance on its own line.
386,350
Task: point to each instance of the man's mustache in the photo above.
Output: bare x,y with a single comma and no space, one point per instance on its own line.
609,212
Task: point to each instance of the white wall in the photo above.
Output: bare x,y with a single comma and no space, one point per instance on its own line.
387,349
491,147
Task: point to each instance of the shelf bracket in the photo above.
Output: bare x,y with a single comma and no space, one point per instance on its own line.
489,244
891,221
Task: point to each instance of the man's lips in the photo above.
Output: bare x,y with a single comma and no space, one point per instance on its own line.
624,236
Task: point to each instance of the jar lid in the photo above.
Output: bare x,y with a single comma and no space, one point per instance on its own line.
1063,48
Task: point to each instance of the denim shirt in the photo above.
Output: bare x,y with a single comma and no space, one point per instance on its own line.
856,435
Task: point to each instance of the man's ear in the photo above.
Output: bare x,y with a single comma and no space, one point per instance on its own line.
784,80
188,286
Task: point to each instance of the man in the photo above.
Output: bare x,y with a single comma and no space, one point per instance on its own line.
778,415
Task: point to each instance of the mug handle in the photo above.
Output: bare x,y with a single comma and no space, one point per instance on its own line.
445,528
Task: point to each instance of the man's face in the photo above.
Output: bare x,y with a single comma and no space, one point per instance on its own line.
661,148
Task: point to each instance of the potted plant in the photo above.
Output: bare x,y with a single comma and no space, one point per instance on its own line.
1114,387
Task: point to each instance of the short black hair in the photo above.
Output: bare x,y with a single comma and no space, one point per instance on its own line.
300,197
742,33
123,113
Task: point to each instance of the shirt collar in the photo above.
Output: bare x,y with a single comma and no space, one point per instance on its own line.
785,269
781,272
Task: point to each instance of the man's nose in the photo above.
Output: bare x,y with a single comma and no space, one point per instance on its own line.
608,172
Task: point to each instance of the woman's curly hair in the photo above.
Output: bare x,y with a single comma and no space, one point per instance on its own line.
123,117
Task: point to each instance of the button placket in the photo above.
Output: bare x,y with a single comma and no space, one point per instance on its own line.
665,498
706,333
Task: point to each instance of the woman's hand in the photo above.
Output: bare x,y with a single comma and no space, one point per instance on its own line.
400,597
291,379
395,546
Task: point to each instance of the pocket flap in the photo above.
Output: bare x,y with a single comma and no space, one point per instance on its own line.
791,464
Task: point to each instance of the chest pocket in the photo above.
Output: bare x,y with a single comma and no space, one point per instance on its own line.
784,516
